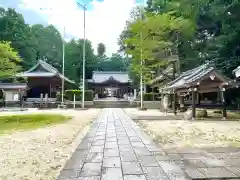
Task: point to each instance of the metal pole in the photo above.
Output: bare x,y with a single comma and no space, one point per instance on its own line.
84,51
63,69
141,76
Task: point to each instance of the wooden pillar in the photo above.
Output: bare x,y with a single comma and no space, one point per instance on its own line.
181,103
223,90
50,90
198,98
193,103
170,98
174,104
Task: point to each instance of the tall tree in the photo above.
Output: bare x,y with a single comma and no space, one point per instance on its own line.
73,63
114,63
155,42
9,60
217,31
14,29
101,49
48,44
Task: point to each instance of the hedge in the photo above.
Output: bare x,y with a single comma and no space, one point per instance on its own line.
151,96
69,94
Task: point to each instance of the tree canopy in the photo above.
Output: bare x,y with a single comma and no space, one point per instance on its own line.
34,42
9,60
191,32
101,49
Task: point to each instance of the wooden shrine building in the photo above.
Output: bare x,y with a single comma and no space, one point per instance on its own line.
110,84
43,79
203,79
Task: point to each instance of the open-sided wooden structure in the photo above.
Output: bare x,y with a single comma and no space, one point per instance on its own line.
203,79
43,78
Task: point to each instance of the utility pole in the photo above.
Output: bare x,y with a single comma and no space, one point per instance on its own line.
141,75
84,55
84,51
63,65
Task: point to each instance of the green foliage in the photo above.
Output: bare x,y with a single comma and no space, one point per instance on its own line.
9,60
115,63
14,29
195,31
151,96
69,95
217,31
45,42
154,42
88,95
73,59
101,49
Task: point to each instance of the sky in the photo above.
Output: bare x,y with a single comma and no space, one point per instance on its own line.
105,19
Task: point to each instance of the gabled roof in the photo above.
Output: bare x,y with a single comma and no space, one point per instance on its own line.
193,76
43,69
166,74
104,76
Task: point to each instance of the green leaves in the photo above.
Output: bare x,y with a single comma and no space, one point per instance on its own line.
101,49
160,35
9,59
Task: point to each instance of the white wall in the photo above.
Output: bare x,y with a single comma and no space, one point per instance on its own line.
9,95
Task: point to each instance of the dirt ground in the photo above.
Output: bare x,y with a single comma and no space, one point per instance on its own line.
180,133
40,154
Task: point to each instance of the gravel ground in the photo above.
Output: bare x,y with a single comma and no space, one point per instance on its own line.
134,112
180,133
40,154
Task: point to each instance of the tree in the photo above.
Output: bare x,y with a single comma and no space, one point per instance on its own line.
114,63
14,29
9,60
48,44
217,31
101,49
157,43
73,59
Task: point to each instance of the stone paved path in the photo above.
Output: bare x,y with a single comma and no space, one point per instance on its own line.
117,149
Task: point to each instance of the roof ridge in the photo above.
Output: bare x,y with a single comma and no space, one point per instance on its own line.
189,73
48,66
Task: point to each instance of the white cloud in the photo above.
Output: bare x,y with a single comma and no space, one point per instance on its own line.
103,24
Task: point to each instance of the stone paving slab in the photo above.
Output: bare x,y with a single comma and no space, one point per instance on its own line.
117,149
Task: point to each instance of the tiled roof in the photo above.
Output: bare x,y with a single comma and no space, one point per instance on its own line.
191,77
103,76
50,72
165,74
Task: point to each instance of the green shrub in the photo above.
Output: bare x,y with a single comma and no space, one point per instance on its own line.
151,96
69,94
59,96
88,95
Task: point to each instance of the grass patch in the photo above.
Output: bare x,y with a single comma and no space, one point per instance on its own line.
29,121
